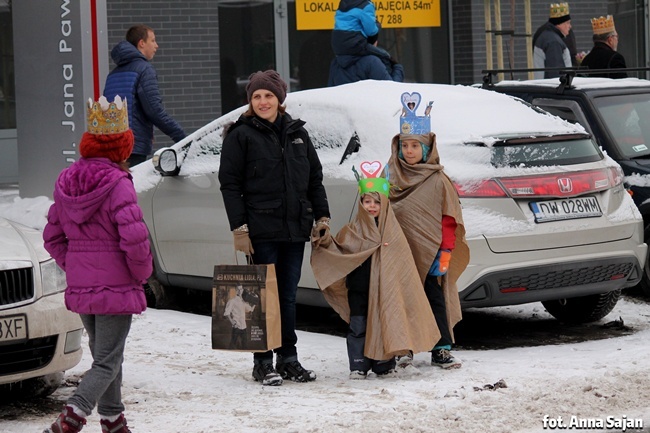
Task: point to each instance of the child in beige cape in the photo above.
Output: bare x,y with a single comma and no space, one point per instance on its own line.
397,319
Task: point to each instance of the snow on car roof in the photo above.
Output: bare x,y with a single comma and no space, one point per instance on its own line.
581,83
460,114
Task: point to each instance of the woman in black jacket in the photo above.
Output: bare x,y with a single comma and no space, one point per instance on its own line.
272,186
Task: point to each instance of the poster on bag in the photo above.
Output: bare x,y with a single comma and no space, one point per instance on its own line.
245,308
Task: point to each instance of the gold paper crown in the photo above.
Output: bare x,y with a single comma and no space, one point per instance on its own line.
559,10
107,118
603,25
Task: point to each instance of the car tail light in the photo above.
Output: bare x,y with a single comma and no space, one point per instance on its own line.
569,184
487,188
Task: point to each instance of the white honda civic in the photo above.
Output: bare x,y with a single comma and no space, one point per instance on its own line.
547,216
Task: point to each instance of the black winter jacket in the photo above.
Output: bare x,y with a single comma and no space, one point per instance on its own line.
602,56
274,185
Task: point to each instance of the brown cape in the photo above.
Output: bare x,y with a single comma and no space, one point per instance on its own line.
420,195
399,316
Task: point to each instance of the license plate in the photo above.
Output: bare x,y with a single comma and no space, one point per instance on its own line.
565,209
13,328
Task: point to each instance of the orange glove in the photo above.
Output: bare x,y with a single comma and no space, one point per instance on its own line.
441,263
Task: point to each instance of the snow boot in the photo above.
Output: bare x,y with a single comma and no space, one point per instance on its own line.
265,373
294,370
67,422
358,375
405,365
444,359
117,426
404,361
387,374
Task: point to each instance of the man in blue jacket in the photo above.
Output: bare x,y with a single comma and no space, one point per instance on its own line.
135,79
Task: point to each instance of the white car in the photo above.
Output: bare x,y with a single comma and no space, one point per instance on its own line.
546,213
39,337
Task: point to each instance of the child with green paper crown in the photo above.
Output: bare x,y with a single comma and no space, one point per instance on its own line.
427,206
367,274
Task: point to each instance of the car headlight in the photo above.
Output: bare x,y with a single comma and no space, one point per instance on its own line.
52,278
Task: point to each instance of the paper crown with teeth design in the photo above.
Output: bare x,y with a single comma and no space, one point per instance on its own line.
409,122
372,182
559,13
603,25
107,118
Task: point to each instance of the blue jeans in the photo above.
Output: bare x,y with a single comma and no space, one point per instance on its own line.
287,257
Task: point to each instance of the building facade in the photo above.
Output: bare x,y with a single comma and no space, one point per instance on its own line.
207,49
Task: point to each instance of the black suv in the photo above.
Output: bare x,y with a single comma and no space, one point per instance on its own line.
615,111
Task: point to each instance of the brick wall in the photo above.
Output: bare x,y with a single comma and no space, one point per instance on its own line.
187,60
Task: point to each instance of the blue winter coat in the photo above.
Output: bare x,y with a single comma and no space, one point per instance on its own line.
350,69
135,79
354,22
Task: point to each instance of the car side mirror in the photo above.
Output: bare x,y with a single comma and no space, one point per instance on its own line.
165,162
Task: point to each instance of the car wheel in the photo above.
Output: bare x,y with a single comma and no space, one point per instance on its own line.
584,309
158,295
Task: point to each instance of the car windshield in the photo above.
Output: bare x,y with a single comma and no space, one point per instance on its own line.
628,120
545,153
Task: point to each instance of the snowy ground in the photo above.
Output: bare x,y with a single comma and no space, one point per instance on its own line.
175,382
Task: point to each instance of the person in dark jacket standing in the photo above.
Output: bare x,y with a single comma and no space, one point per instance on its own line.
549,47
135,80
604,55
272,186
96,234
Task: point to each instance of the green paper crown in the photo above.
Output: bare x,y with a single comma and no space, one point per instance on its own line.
374,184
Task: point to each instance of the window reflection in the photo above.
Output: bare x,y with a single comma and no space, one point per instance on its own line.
627,118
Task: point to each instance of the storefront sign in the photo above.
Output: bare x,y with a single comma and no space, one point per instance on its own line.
319,14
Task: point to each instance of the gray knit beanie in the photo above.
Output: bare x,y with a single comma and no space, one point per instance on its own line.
267,80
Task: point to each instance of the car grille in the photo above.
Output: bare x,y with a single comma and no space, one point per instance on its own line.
16,285
567,278
30,355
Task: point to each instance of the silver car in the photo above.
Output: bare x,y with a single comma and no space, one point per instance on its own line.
546,213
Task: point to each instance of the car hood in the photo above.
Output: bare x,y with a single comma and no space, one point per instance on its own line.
20,243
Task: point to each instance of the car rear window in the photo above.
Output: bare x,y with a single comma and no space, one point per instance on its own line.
627,118
545,153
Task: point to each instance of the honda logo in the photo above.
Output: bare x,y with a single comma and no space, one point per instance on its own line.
565,184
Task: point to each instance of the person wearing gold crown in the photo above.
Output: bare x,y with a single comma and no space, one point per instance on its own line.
604,55
549,47
96,234
368,276
427,207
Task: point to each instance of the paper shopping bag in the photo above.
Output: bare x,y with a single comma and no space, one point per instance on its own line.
245,308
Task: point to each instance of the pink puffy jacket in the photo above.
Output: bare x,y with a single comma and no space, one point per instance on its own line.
96,234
